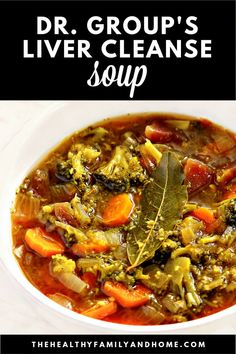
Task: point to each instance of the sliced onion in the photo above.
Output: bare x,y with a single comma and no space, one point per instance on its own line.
142,316
63,192
71,281
173,305
62,300
180,124
224,142
80,212
148,315
28,258
121,252
111,237
26,209
18,251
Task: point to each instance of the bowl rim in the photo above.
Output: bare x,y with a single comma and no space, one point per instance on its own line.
43,299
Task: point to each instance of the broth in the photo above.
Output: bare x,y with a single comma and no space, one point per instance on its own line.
133,220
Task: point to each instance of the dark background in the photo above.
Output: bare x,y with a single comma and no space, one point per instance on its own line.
174,78
214,344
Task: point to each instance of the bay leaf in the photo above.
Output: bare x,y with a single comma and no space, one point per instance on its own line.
162,204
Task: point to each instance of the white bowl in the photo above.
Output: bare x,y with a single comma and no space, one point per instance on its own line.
37,138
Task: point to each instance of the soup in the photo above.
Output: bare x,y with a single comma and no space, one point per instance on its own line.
133,220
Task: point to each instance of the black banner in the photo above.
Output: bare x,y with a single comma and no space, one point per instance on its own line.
190,58
114,344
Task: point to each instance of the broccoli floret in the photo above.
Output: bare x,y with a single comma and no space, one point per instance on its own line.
78,170
95,134
182,282
64,171
230,212
86,154
121,172
71,232
154,278
75,168
62,264
69,239
80,211
107,268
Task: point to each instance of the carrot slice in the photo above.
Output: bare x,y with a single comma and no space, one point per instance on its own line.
125,297
39,241
118,210
207,216
99,312
231,193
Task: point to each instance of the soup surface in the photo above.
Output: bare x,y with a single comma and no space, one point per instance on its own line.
133,220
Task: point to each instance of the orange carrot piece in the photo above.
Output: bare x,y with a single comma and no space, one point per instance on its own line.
207,216
118,210
231,193
39,241
125,297
204,214
84,249
102,311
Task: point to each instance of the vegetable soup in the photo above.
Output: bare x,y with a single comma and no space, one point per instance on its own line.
133,220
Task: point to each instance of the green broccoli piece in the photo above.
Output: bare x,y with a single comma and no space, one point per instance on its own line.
230,212
69,239
121,172
78,170
182,281
80,211
71,232
64,171
87,153
95,135
107,268
62,264
75,168
154,278
104,265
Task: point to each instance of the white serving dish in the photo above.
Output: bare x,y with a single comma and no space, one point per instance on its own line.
38,137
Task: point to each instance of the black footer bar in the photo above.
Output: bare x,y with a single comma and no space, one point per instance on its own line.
118,344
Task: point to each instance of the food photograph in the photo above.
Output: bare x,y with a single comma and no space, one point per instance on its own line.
118,217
